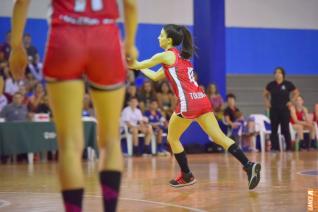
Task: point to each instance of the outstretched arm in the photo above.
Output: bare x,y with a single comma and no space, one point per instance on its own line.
167,57
154,75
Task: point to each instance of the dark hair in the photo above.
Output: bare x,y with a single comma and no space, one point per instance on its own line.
180,35
133,97
230,95
282,70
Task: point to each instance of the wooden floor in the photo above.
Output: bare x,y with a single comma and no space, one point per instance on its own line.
222,185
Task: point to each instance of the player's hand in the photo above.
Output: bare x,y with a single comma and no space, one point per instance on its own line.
18,61
133,65
131,53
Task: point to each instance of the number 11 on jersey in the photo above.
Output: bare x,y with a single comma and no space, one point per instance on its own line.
80,5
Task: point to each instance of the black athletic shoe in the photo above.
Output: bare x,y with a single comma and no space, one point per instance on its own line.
183,180
253,173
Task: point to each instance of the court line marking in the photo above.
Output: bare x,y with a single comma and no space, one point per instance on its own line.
4,203
308,170
122,198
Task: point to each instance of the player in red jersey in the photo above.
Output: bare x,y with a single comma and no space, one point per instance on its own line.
83,42
192,104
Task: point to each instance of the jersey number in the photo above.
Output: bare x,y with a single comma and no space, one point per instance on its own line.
191,76
80,5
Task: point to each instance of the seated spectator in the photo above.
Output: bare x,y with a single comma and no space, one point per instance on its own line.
130,92
35,69
23,90
147,94
166,99
15,111
159,125
88,110
5,47
3,98
216,101
4,66
301,122
232,116
12,86
36,98
316,114
133,119
43,106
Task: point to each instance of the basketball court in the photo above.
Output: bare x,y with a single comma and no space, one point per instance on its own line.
221,186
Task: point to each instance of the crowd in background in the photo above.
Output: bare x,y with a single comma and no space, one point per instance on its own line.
147,107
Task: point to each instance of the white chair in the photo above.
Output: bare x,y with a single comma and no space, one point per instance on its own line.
262,124
125,134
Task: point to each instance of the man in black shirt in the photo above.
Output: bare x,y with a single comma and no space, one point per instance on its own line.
276,97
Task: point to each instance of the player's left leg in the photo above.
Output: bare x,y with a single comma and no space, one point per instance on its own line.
210,125
108,105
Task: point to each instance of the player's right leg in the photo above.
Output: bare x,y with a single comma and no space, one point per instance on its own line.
177,126
66,99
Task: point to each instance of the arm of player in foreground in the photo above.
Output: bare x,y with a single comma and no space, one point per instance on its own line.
18,57
131,22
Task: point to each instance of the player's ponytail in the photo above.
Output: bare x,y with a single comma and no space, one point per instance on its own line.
187,44
180,35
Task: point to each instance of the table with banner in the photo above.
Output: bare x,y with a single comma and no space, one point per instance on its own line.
31,137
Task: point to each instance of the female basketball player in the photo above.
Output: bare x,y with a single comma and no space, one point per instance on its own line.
79,46
192,104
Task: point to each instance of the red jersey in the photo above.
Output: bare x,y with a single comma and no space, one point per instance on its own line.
84,12
84,42
300,116
191,99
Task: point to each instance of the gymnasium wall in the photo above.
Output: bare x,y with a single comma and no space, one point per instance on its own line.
260,35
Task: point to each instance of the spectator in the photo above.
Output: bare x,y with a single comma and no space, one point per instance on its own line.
216,101
43,106
131,92
16,111
147,94
316,114
36,97
3,98
159,125
88,110
3,64
276,98
232,116
166,99
32,52
5,47
23,90
300,122
35,69
12,86
133,119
